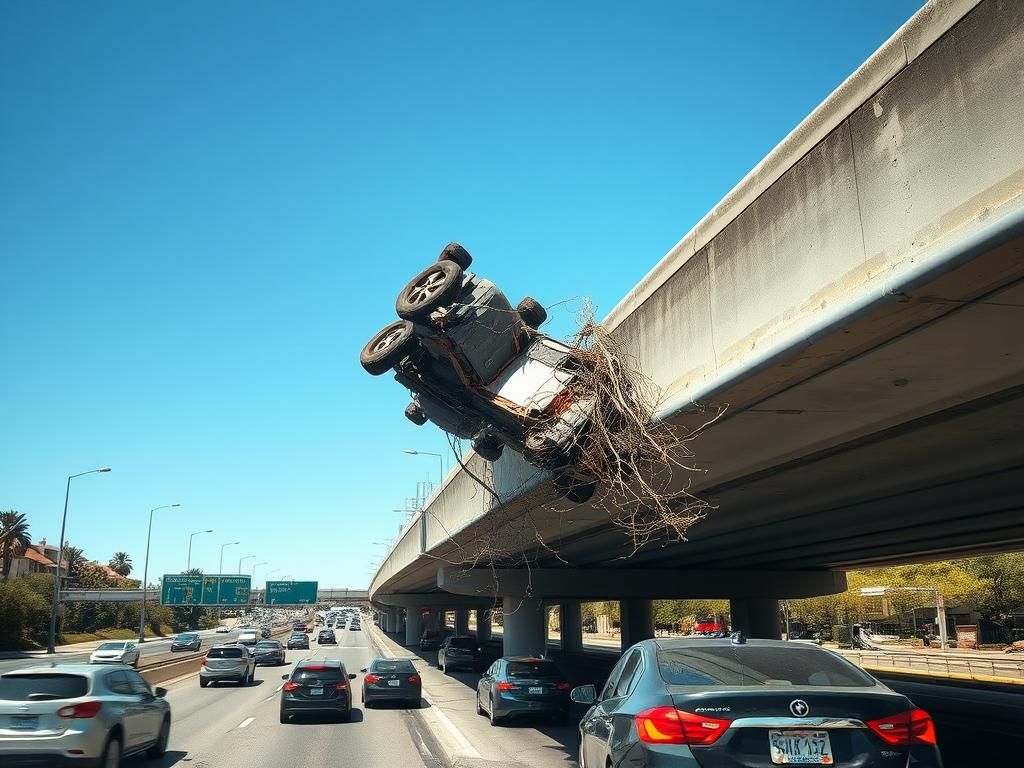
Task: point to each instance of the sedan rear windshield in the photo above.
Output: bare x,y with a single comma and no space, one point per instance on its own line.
268,644
307,676
758,665
463,642
42,687
224,653
401,667
534,669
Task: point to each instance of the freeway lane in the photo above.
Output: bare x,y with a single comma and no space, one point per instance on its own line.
81,651
225,726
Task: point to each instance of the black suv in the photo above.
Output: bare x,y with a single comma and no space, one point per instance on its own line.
317,686
459,652
326,637
298,640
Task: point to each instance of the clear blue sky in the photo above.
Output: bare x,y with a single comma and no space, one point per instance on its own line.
207,208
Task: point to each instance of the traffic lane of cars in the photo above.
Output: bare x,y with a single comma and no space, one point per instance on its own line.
207,722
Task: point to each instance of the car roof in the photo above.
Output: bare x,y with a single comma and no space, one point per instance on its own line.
527,659
88,670
334,663
668,643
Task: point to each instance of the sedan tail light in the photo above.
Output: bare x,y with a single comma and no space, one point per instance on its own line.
668,725
290,686
507,687
342,686
202,661
83,710
906,728
414,679
563,686
372,679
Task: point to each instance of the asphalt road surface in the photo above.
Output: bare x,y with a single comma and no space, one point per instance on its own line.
225,725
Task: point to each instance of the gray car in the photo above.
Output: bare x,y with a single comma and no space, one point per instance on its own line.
97,713
234,663
116,652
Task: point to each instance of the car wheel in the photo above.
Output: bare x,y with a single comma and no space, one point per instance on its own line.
414,412
532,312
487,446
284,716
573,489
111,757
430,290
458,254
491,716
387,348
203,683
159,749
479,706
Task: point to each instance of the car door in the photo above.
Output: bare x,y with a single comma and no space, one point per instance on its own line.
483,688
152,709
597,724
132,655
129,708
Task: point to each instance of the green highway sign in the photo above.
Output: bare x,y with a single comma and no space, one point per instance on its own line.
181,589
292,592
225,589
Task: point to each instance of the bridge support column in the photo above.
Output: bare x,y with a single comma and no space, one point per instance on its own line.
400,620
636,621
433,620
756,617
387,620
570,625
413,625
523,626
462,621
483,626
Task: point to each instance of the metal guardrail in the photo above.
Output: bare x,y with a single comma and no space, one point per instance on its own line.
981,669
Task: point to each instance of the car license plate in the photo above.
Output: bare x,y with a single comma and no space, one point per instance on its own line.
394,683
316,691
24,723
800,748
536,690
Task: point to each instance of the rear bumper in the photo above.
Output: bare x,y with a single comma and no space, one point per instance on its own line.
223,674
506,706
327,705
392,694
47,760
462,662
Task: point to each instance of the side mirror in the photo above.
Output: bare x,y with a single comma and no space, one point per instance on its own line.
351,675
284,677
583,694
160,692
363,670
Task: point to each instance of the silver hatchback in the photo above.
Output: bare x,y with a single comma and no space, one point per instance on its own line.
227,662
80,715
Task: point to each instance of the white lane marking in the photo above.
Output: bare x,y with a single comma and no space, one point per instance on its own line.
246,722
466,749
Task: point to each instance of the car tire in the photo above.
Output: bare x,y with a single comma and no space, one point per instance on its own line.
573,489
159,749
532,313
431,289
458,254
494,720
487,446
479,707
284,716
203,683
414,412
387,347
111,757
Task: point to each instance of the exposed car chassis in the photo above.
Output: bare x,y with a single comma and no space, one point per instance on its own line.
480,370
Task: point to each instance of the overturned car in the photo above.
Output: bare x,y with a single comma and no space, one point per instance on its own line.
481,370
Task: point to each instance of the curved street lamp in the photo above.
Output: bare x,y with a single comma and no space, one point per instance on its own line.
188,566
50,644
145,572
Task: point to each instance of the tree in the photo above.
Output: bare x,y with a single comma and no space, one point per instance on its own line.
121,563
14,538
74,561
1004,575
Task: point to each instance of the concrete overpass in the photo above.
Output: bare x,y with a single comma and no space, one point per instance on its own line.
325,594
856,303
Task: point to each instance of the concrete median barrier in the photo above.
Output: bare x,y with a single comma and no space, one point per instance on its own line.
171,667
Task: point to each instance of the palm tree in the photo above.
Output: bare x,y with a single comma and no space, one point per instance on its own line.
14,538
121,563
74,561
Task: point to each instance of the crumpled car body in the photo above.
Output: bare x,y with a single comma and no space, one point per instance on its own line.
480,369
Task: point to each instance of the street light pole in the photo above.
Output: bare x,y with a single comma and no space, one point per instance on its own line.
188,567
252,583
51,642
145,573
242,560
440,458
220,568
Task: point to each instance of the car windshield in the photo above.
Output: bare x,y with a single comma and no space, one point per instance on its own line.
112,646
733,665
42,687
463,642
532,669
186,638
402,667
225,653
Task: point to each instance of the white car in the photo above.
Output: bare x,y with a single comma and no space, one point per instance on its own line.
222,629
248,637
116,652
